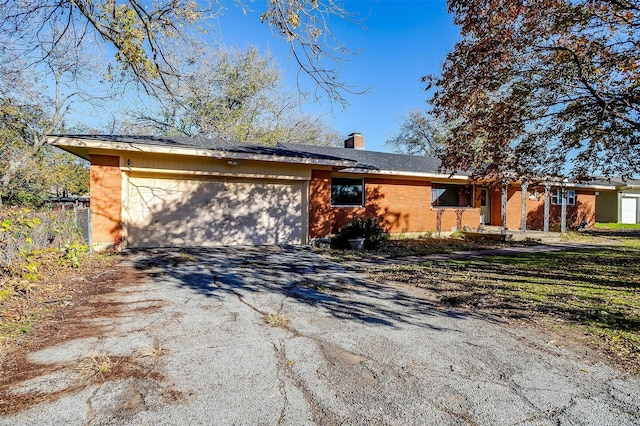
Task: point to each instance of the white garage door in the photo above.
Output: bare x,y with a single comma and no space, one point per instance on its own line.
162,212
629,210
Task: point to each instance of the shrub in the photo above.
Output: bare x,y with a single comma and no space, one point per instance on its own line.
368,228
555,227
70,253
23,231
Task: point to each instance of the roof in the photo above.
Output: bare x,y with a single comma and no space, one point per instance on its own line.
613,183
372,160
383,163
83,145
348,159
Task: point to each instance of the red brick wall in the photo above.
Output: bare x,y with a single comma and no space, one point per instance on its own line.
400,205
584,209
496,200
320,213
106,199
514,207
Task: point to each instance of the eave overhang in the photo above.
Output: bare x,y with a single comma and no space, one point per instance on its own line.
84,148
400,173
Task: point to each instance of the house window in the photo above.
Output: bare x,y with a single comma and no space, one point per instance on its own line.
556,197
347,192
446,195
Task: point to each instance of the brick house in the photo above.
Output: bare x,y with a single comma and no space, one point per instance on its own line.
168,191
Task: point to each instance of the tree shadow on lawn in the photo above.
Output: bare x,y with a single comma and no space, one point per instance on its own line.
291,271
585,268
586,287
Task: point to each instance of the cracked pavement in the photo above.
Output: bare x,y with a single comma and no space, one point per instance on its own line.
193,323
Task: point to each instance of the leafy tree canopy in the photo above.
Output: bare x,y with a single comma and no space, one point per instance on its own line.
420,134
29,174
545,87
234,95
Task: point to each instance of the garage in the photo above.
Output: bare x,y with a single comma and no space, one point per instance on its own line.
186,211
629,208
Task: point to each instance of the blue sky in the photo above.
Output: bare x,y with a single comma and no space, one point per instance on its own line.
399,42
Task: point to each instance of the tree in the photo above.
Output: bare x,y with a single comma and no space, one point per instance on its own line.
29,110
153,46
234,95
152,42
28,173
419,134
66,174
537,88
21,179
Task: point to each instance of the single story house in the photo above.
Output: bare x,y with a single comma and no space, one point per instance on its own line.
620,204
173,191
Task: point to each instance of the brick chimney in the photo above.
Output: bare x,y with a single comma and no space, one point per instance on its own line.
354,141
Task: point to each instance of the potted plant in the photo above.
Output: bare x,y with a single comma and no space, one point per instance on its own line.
356,243
359,234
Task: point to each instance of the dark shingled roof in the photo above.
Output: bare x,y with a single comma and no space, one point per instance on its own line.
365,160
205,143
373,160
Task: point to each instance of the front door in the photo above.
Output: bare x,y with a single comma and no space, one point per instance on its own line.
485,207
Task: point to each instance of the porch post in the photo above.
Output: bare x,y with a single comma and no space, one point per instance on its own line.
563,214
524,185
547,191
503,210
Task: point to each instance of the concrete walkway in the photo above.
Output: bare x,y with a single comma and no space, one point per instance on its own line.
517,235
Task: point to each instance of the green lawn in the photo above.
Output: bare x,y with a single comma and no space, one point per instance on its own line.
617,225
592,294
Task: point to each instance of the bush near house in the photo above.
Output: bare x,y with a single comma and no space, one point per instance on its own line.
23,230
367,228
36,249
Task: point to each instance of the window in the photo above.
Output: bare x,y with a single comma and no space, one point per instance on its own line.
347,192
556,197
444,195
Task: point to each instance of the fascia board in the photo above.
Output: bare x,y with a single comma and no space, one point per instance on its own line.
591,186
96,145
402,173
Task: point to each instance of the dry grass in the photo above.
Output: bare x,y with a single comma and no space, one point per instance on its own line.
153,350
95,365
593,293
277,319
183,257
25,301
420,247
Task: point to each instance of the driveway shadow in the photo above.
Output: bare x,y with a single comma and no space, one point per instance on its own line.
292,271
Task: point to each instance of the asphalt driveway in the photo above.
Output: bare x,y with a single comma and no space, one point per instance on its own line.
283,336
